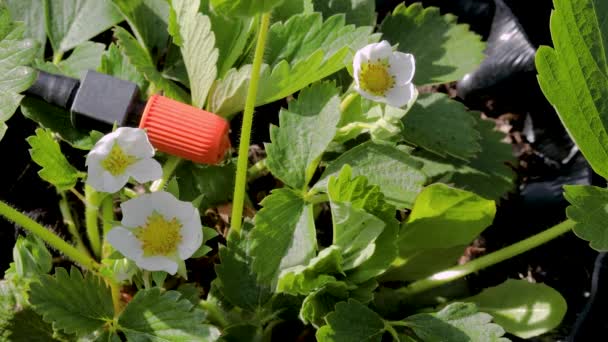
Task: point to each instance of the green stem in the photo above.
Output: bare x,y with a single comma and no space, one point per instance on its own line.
57,57
168,169
317,198
460,271
214,314
116,302
348,100
47,236
92,201
68,220
107,220
256,171
241,168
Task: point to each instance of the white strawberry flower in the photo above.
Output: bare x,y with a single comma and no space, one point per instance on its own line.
383,75
124,153
158,231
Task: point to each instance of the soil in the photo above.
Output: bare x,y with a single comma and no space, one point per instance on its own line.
565,263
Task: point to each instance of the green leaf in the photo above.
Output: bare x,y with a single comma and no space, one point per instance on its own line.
284,235
305,279
358,12
588,209
290,8
116,63
149,20
487,175
140,58
235,277
56,169
300,52
197,43
457,216
28,11
243,332
213,182
306,129
573,75
14,54
231,36
442,126
454,52
522,308
71,22
86,56
31,257
369,198
352,321
318,304
247,8
355,232
73,303
156,316
458,322
394,171
58,120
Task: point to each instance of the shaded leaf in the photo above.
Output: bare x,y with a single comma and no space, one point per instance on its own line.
457,322
193,34
235,277
352,321
358,12
573,75
73,303
444,50
115,63
141,60
58,120
243,7
394,171
149,20
28,11
56,169
284,235
305,279
156,316
442,126
71,22
213,182
306,129
588,209
522,308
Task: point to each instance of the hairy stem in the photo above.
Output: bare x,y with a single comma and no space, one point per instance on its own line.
47,236
68,220
107,219
92,201
241,168
168,169
508,252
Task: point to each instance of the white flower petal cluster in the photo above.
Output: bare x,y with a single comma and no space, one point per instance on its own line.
383,75
157,231
124,153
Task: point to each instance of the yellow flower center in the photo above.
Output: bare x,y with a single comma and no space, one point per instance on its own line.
375,78
159,236
117,161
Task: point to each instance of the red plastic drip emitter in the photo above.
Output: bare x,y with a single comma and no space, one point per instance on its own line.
100,101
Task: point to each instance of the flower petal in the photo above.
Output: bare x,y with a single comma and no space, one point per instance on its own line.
158,263
399,96
134,142
103,181
403,67
192,236
370,96
145,170
135,211
377,51
124,241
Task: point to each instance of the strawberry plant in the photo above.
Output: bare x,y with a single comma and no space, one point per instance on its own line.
378,184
